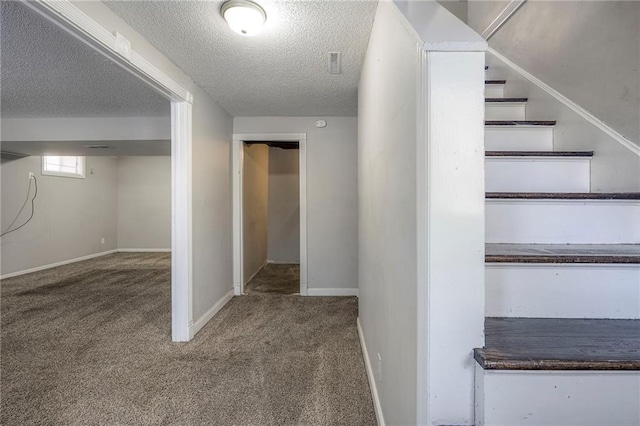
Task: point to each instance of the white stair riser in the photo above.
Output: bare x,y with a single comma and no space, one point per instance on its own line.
563,398
562,291
541,174
494,91
504,111
518,138
562,221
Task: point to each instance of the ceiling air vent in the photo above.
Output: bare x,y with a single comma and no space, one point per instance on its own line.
335,62
97,146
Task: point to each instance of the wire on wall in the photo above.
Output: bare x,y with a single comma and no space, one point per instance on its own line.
35,194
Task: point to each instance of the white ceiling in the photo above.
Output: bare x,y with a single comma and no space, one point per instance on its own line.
47,73
282,71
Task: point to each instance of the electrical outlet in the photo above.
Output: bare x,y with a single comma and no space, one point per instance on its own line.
102,241
379,368
31,175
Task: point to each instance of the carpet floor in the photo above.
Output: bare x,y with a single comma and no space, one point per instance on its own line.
276,278
89,344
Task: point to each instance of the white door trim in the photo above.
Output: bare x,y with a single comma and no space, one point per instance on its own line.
238,160
118,49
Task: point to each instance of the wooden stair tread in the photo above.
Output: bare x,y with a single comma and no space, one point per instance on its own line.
563,253
560,344
563,195
520,123
539,153
505,100
495,81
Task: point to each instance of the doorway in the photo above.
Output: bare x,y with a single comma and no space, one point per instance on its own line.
247,260
117,49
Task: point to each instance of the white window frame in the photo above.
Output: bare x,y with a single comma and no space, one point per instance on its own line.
82,163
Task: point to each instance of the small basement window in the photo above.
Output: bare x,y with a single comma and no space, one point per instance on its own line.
65,166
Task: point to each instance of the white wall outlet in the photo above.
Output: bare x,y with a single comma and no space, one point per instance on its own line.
102,241
31,175
379,368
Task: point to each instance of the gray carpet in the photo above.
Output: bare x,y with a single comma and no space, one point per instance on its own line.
275,278
89,344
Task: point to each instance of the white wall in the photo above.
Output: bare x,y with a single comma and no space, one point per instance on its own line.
387,101
457,7
144,202
212,220
421,211
86,129
255,198
481,13
587,51
331,194
71,215
125,200
284,206
211,177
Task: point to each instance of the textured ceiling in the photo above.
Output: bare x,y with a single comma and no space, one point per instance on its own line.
45,72
282,71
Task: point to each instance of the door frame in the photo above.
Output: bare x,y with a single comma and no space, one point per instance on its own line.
117,48
238,168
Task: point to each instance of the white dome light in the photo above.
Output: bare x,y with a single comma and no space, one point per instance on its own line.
243,16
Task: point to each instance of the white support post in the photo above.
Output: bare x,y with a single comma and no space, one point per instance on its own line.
181,232
237,161
450,233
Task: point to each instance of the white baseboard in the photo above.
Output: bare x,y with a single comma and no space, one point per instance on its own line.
370,376
80,259
56,264
332,292
144,250
194,327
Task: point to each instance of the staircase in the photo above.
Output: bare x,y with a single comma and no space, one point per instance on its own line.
562,296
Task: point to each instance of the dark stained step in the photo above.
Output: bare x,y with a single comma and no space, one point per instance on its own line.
495,81
563,195
539,153
504,100
560,344
563,253
519,123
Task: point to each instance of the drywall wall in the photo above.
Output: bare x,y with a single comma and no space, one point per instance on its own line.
211,177
255,197
481,13
284,206
387,102
86,129
332,205
212,220
144,202
71,215
587,51
457,7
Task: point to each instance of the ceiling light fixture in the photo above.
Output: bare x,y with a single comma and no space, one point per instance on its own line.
243,16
